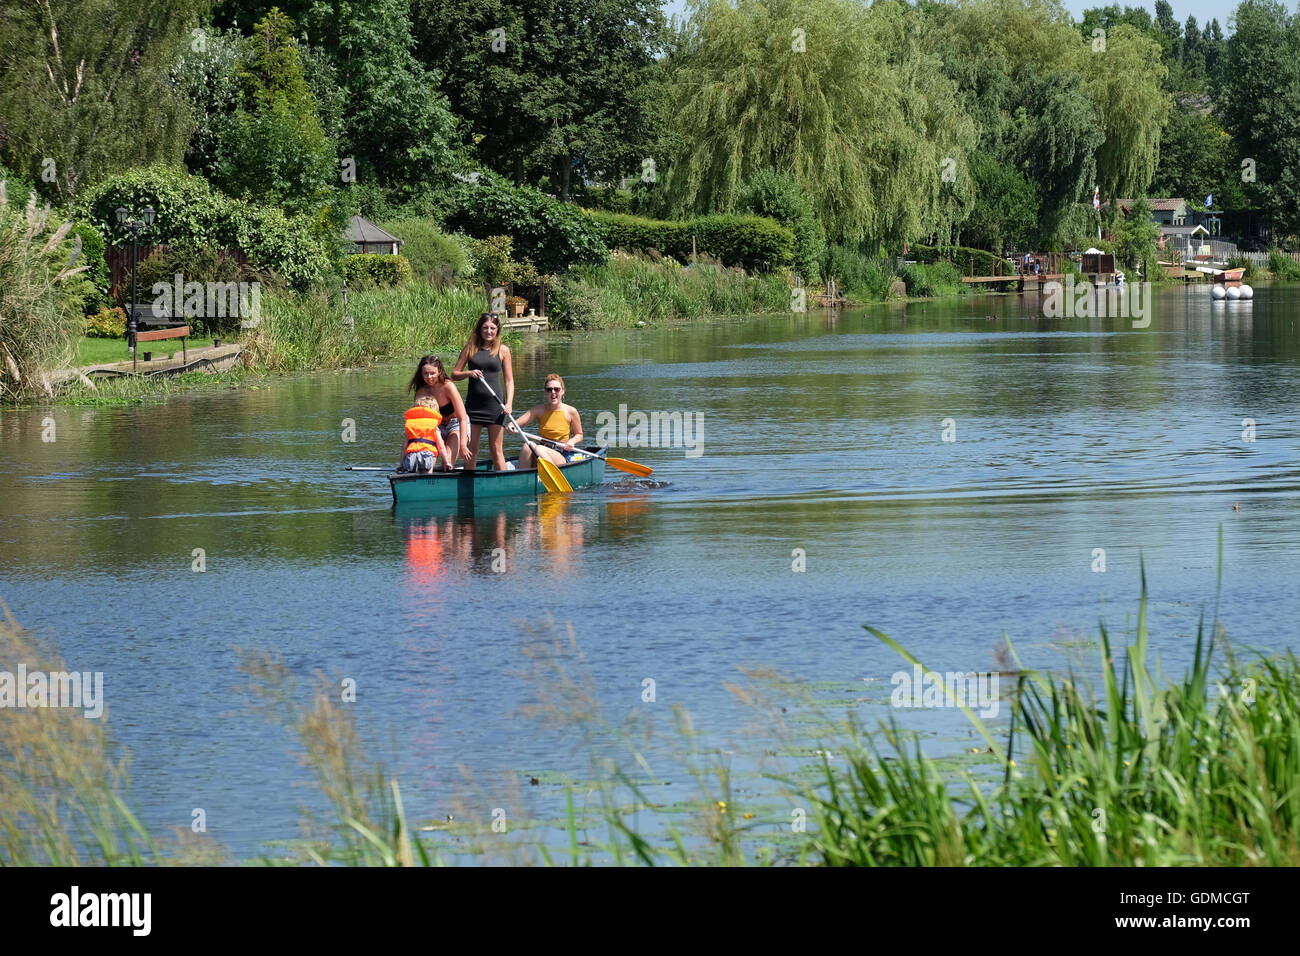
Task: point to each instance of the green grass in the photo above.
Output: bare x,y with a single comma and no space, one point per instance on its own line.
1203,771
107,351
631,289
1283,268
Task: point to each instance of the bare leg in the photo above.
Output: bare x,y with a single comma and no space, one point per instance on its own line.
471,452
496,442
526,456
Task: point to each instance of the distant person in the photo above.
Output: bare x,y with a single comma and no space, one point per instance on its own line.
424,445
432,382
556,422
485,361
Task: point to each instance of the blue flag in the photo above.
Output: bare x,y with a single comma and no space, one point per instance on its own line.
1209,200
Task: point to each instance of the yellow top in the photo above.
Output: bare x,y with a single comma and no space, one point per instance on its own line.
554,426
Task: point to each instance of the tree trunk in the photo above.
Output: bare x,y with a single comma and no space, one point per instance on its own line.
564,177
519,169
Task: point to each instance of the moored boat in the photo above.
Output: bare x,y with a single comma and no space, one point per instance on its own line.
461,485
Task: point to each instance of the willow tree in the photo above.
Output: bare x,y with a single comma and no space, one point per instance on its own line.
85,90
1124,81
838,96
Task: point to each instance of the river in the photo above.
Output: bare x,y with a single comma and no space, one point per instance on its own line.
949,472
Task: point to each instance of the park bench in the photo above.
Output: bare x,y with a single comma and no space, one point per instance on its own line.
161,325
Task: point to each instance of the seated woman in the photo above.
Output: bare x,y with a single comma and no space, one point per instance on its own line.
432,382
556,422
424,445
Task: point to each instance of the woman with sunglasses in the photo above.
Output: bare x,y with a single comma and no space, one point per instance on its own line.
556,422
485,360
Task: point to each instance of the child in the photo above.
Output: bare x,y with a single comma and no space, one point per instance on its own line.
424,444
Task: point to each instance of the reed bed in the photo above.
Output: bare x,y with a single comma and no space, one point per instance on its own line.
1203,771
630,289
308,331
1200,771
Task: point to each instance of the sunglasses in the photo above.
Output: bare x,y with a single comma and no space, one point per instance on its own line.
552,388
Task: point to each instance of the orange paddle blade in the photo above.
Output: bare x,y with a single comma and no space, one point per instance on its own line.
552,480
631,467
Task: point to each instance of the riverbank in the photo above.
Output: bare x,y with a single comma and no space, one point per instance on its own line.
1139,773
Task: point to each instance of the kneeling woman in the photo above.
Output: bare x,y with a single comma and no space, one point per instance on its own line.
556,422
431,382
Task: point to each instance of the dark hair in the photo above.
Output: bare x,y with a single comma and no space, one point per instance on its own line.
417,380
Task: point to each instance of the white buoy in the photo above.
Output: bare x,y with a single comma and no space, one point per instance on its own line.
1218,291
1247,292
1234,292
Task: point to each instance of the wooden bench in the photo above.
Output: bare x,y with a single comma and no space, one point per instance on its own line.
181,333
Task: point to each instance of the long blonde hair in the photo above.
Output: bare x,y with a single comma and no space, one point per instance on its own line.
476,338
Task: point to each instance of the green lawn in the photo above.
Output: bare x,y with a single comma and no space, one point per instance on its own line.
103,351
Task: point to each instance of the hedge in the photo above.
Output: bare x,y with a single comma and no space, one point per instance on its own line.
191,213
753,242
368,268
963,258
550,234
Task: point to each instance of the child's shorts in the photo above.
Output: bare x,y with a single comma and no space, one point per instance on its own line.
419,461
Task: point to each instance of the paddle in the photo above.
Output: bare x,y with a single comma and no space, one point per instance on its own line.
622,464
365,468
552,480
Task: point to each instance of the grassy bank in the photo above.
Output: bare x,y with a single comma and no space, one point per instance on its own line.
1196,771
631,289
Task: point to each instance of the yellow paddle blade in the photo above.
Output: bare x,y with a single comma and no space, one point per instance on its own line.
631,467
553,481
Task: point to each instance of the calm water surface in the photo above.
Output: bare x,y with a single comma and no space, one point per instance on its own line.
822,438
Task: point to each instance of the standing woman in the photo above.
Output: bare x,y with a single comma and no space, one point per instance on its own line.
432,383
485,360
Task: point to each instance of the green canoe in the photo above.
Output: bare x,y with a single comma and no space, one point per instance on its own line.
461,485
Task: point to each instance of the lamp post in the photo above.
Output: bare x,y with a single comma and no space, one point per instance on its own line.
135,227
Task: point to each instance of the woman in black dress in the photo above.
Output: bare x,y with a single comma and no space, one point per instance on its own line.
485,359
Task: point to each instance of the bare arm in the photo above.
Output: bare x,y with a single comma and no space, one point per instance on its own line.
459,372
527,417
457,404
575,426
510,378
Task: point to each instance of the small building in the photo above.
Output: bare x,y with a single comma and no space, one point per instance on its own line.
1190,241
365,236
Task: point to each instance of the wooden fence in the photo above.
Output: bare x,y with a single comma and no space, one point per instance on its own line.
119,261
1261,258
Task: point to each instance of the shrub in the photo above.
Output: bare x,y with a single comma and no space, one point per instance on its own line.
574,304
92,256
432,253
927,281
752,242
860,277
604,198
107,323
367,270
192,265
191,213
780,197
966,260
551,234
39,322
1283,267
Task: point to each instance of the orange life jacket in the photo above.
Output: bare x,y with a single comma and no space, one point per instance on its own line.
422,429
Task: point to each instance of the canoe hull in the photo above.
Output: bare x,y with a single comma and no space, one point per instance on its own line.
462,486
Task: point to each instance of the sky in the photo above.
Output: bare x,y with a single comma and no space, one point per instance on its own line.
1203,10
